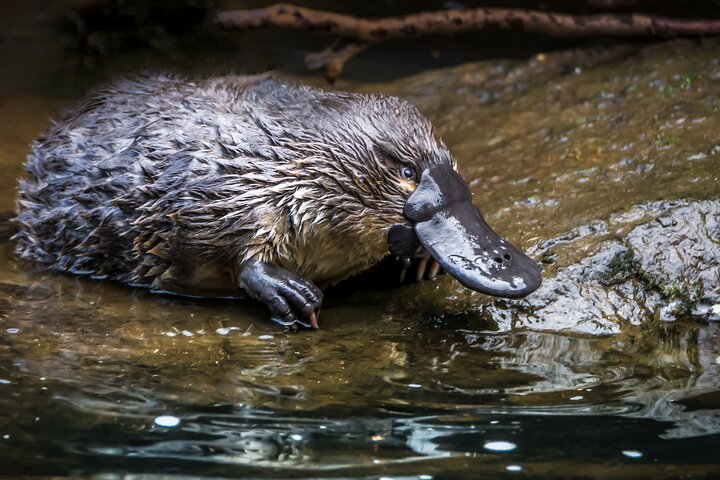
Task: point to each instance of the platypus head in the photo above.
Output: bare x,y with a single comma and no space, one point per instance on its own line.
439,217
387,163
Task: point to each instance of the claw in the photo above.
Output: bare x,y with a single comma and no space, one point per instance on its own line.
314,320
287,295
420,275
434,270
405,263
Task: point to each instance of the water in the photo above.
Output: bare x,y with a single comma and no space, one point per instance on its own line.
105,381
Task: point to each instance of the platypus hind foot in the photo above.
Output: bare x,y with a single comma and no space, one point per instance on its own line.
292,300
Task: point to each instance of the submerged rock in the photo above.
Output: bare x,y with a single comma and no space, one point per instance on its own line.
658,261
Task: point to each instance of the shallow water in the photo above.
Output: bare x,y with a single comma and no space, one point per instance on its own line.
101,380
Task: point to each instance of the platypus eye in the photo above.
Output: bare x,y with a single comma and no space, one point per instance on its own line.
408,173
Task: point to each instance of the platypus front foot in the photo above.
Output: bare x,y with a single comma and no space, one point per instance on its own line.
291,299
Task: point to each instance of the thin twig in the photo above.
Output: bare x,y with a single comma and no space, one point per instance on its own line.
356,34
334,57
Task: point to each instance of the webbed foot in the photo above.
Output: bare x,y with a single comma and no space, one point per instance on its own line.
292,300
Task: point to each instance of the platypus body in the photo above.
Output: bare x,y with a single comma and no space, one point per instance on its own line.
250,185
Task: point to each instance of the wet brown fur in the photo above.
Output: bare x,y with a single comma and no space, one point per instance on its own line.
172,184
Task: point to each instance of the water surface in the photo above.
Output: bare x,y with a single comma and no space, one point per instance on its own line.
101,380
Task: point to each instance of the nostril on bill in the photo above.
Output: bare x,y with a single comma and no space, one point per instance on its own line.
503,259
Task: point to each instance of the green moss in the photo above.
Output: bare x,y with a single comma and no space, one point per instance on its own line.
621,268
548,257
686,82
664,141
683,294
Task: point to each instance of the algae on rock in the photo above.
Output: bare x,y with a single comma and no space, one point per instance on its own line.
666,266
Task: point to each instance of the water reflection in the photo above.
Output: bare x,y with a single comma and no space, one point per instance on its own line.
93,367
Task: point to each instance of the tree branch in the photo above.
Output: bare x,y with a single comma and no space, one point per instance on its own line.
334,57
613,3
359,33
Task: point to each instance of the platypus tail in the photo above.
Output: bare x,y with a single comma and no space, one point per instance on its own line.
7,226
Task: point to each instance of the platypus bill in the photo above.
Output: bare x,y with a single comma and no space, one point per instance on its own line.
247,184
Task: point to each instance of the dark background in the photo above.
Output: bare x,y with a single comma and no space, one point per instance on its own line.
72,41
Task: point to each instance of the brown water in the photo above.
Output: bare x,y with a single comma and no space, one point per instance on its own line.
407,383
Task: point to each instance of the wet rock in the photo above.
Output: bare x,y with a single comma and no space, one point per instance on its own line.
658,261
554,147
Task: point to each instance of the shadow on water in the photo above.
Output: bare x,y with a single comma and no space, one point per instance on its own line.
102,380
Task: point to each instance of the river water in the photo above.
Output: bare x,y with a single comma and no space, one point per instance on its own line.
105,381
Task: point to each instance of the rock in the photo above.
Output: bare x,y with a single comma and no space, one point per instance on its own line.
554,147
658,261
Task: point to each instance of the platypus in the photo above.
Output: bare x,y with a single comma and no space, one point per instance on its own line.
247,184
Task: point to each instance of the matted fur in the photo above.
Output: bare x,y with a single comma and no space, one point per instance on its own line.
160,181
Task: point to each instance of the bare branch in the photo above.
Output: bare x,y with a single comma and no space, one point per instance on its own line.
358,33
334,57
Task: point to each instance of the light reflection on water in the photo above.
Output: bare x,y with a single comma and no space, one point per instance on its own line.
371,392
